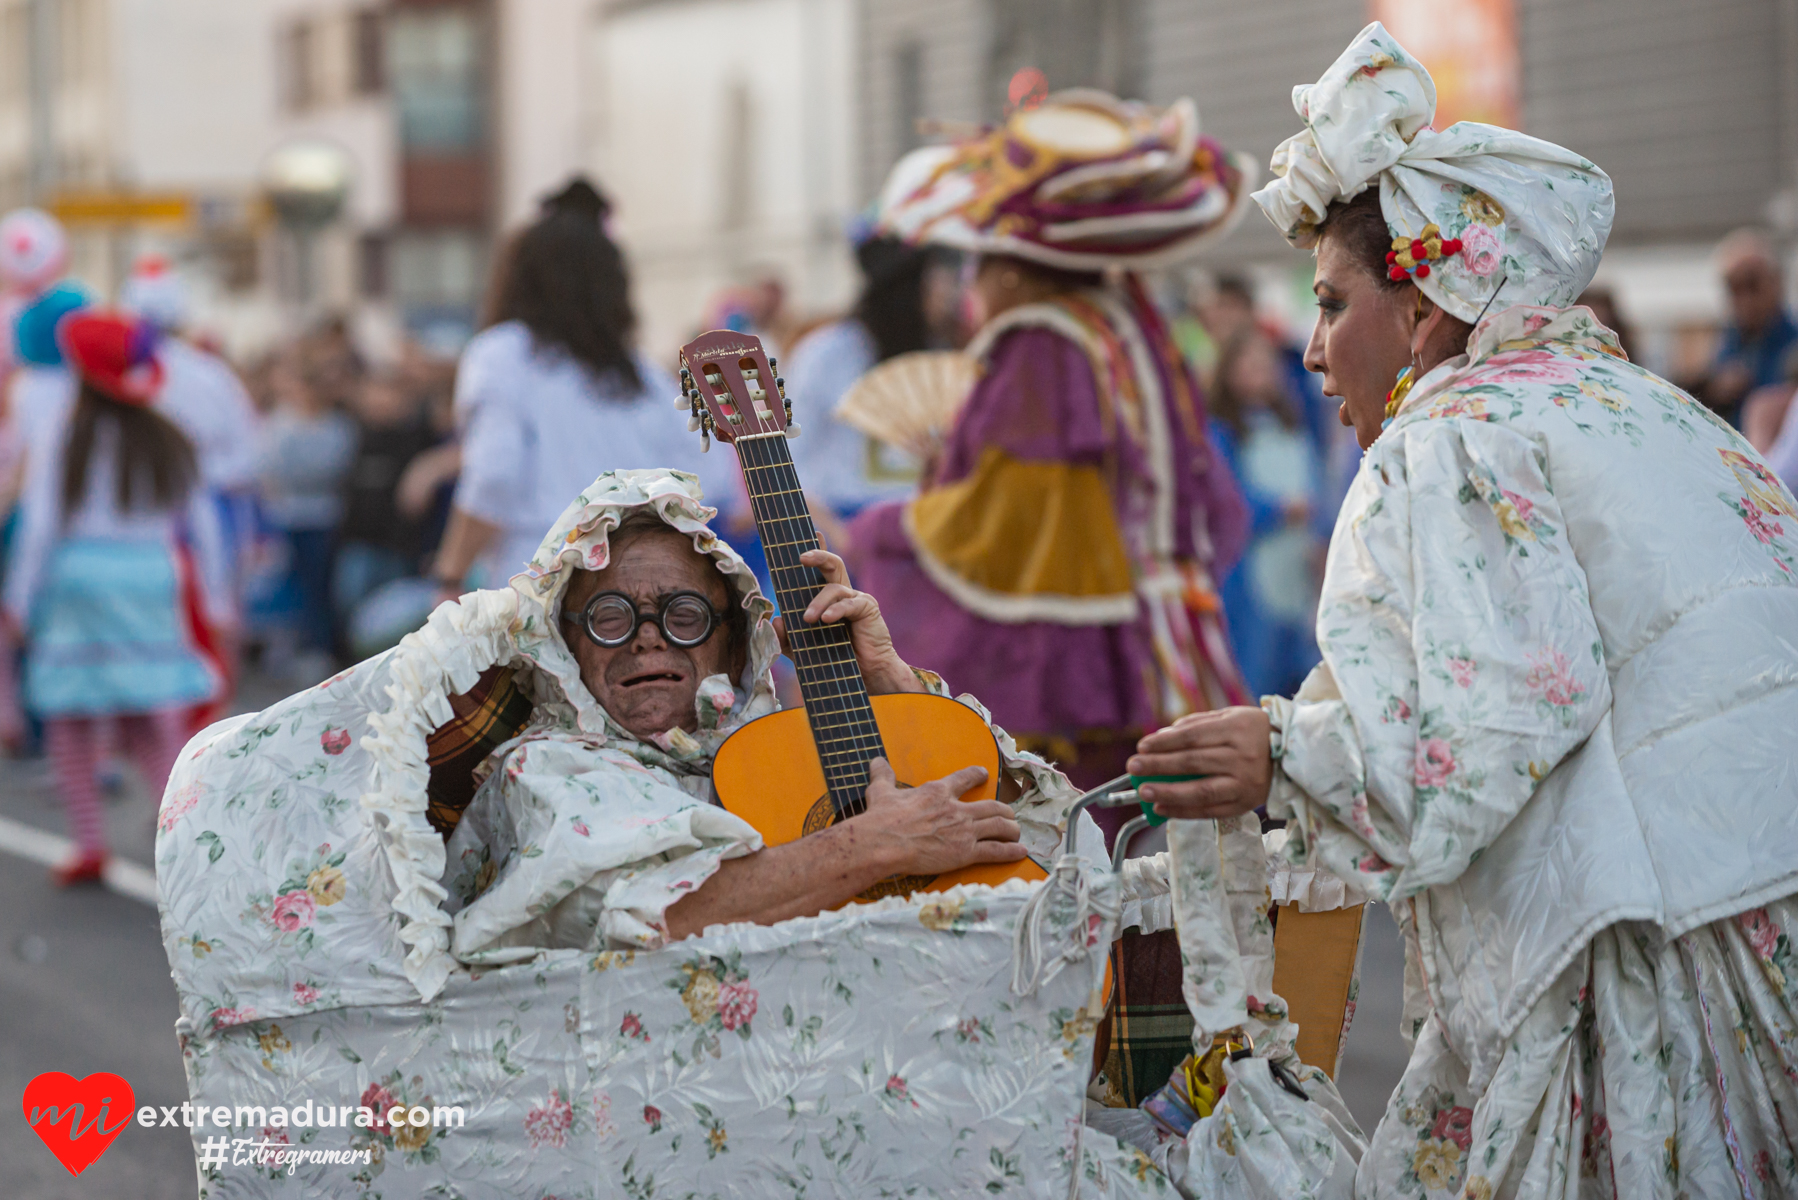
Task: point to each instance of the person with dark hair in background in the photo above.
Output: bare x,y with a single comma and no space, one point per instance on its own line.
907,303
379,540
95,583
552,393
305,451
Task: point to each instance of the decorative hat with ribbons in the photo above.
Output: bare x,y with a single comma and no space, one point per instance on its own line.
1081,181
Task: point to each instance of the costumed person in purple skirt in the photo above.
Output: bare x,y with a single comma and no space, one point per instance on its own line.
1064,556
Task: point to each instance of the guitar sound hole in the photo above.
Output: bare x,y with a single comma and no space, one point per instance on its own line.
823,814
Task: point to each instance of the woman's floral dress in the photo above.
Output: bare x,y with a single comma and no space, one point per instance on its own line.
1553,729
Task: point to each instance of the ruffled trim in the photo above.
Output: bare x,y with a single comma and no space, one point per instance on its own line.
1310,887
1148,901
1009,608
461,639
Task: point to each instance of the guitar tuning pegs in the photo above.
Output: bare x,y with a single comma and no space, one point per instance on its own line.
793,430
693,424
683,401
780,385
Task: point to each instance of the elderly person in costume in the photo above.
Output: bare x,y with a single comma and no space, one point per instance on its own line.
1553,726
596,824
1065,556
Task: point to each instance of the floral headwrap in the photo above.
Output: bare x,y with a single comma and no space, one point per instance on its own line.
1083,181
1471,207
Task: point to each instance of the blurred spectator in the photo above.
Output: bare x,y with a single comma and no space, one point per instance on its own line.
304,454
908,302
1221,310
203,396
96,582
758,307
1760,330
1603,303
34,252
1270,596
378,541
551,393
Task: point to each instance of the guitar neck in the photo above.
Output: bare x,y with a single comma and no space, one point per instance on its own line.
830,679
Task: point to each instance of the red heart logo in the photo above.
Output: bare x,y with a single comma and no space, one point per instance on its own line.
55,1099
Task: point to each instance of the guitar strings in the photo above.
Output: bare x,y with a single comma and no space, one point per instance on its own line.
834,692
843,757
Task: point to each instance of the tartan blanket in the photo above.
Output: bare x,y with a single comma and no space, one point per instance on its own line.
487,715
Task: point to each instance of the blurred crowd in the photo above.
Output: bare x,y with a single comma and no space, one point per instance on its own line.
173,519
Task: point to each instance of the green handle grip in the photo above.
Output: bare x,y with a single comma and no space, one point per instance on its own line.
1148,810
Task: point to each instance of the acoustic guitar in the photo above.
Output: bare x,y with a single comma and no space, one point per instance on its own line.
797,771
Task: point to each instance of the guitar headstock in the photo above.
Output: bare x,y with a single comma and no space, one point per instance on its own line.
729,385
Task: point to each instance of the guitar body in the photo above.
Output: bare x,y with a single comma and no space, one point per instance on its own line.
769,774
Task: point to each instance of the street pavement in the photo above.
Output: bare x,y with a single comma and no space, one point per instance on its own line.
84,987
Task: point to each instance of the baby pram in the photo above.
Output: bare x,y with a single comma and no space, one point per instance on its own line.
937,1045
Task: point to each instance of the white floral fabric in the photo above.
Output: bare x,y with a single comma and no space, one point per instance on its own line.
1557,694
1532,217
308,910
1653,1067
872,1048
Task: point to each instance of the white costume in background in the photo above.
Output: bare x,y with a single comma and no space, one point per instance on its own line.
840,464
204,396
537,427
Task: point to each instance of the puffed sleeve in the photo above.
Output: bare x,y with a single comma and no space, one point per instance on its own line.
1461,661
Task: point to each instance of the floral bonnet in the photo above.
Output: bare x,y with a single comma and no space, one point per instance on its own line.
1477,212
580,539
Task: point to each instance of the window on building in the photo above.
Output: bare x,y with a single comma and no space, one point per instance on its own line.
434,70
370,68
295,54
372,265
436,280
908,96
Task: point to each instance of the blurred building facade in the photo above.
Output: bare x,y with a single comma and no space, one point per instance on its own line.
723,129
1693,109
738,138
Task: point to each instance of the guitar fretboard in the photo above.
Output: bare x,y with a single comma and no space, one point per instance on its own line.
830,680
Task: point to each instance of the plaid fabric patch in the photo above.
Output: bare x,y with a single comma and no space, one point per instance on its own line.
491,712
1151,1029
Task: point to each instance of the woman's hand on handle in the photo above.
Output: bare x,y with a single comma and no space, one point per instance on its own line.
1230,747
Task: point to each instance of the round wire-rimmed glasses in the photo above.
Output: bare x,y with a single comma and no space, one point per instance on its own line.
611,619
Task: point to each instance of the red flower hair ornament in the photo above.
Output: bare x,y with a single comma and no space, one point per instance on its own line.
1411,258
